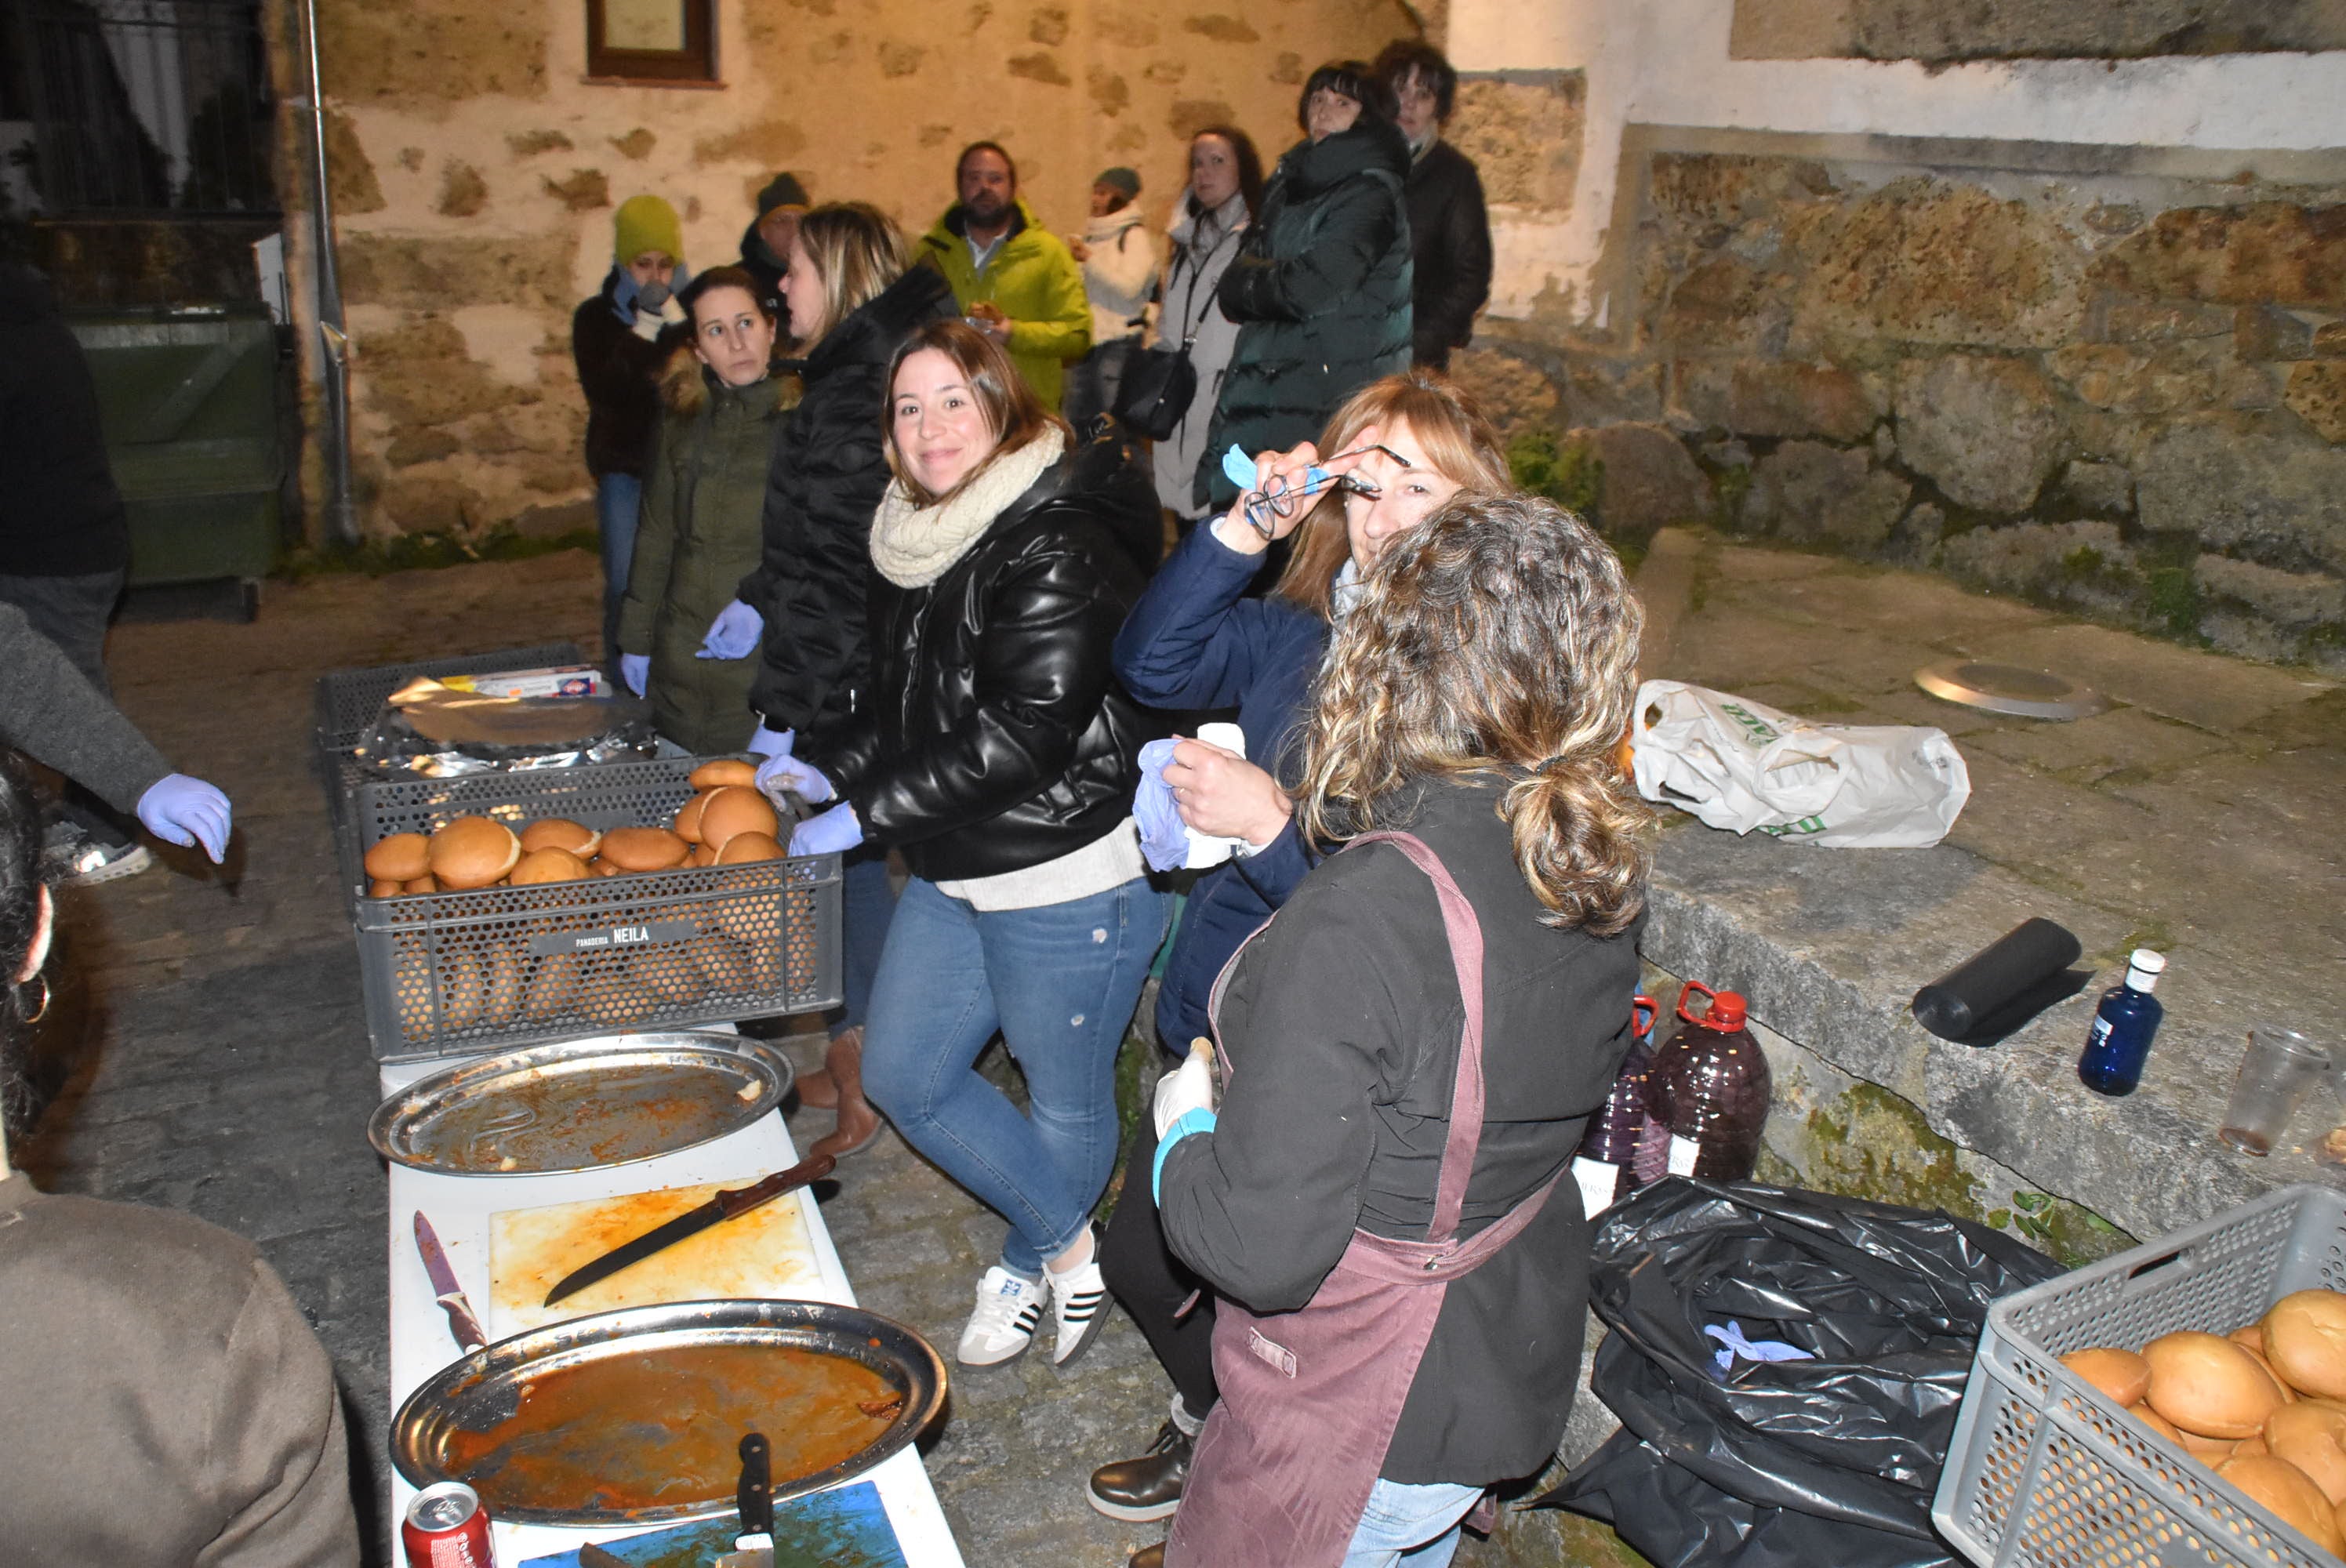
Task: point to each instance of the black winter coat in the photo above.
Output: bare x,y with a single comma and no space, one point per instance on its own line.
619,374
1341,1022
60,514
829,470
1321,290
1449,244
998,738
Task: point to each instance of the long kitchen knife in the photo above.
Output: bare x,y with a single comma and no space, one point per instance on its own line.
716,1211
754,1546
460,1321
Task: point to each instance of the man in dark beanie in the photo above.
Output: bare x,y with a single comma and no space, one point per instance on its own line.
1450,233
766,243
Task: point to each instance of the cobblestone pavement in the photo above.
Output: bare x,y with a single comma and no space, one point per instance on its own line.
225,1071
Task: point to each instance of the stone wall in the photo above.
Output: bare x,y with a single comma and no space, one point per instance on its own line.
2117,386
473,173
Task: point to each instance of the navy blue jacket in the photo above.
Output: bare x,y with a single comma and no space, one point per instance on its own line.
1192,641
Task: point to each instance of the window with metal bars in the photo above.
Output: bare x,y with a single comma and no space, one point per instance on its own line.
134,108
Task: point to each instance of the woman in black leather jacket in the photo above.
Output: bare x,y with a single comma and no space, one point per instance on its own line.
994,752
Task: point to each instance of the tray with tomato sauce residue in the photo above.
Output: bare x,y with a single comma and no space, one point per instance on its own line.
636,1416
580,1105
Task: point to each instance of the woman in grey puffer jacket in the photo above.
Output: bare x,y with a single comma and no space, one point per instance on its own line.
1209,220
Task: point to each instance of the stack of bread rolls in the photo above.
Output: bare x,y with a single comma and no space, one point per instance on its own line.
736,948
2264,1407
727,822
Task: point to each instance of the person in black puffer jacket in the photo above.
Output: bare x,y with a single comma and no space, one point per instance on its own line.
1321,288
1449,228
996,753
800,613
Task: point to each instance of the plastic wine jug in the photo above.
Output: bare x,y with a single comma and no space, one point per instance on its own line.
1605,1166
1709,1090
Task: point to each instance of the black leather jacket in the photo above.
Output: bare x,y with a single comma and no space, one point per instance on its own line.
994,736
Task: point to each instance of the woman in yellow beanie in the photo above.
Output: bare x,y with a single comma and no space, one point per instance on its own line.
620,339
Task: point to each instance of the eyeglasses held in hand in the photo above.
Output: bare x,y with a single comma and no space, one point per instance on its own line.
1276,500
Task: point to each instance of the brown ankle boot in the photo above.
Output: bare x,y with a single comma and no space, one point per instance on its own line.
1147,1557
818,1090
859,1123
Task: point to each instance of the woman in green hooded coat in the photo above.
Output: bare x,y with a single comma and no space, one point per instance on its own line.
699,532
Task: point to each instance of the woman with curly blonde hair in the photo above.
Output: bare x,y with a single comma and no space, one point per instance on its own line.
1410,1050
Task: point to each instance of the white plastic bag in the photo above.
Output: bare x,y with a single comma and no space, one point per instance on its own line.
1741,765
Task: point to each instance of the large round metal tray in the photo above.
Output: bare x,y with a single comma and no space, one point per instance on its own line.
483,1391
580,1105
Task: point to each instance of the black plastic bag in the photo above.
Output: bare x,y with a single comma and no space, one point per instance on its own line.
1830,1461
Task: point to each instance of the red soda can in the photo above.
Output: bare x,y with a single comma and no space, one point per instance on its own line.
446,1527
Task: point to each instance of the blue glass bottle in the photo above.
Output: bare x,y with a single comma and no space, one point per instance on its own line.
2123,1026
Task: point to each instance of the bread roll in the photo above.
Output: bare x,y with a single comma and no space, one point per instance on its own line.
734,811
2311,1435
702,855
426,883
2155,1422
2209,1386
380,888
644,849
559,833
548,865
400,858
473,852
744,847
2124,1375
687,825
2305,1341
2289,1493
719,772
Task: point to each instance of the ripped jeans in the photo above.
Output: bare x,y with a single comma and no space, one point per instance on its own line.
1060,983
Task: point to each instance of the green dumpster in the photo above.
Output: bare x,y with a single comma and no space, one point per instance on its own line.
190,404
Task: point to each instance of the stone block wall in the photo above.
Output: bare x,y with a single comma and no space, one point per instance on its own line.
473,172
2112,380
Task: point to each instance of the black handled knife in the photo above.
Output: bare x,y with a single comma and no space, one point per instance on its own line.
716,1211
753,1546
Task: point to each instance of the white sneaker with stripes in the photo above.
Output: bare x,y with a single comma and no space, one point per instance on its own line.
1079,1308
1009,1309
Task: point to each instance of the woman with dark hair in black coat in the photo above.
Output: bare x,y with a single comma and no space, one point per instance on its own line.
1321,288
851,295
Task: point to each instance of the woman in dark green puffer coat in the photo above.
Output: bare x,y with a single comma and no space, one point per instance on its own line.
704,493
1321,288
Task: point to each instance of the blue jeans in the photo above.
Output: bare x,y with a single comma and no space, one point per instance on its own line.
867,906
619,497
1407,1526
1060,983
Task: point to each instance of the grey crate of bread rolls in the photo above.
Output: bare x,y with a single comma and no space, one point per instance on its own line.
451,974
2044,1469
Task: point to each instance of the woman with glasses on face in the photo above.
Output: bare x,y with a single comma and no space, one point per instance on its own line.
1321,288
1402,446
697,533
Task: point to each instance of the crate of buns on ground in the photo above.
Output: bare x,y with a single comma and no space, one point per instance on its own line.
504,908
2183,1402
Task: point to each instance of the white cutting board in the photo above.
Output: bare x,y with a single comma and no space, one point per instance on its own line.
767,1252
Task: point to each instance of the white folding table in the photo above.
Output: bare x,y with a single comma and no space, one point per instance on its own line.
459,1209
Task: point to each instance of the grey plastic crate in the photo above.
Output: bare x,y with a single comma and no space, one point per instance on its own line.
2044,1469
458,973
348,702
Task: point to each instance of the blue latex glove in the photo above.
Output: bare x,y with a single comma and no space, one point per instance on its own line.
636,669
1733,1344
178,810
830,834
784,771
1164,836
771,742
734,633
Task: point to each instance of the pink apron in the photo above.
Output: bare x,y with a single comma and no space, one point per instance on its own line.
1311,1398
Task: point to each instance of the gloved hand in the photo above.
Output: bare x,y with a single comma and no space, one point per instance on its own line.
1188,1087
183,811
1164,836
635,669
834,831
772,742
784,771
734,633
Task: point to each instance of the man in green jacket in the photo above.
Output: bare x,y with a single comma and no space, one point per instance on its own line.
1014,279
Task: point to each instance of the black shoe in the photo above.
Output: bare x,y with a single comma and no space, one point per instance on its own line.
1149,1487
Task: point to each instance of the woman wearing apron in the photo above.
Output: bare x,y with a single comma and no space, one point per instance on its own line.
1409,1050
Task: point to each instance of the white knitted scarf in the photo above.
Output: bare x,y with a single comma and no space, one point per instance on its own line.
913,545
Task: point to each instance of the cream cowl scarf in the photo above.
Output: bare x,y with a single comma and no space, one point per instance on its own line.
913,545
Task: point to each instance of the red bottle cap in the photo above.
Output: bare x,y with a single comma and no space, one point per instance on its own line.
1725,1012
